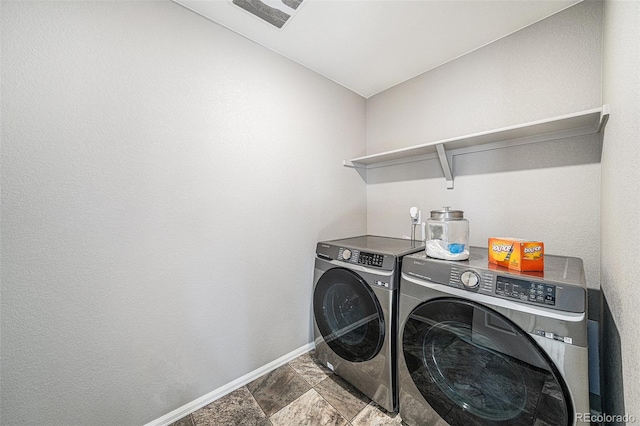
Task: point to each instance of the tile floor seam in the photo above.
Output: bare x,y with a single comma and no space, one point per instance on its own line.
336,408
254,398
300,375
266,420
325,400
310,389
292,402
328,377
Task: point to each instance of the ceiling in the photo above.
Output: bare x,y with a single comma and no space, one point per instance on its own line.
371,45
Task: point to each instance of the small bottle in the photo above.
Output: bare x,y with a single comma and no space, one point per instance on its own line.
448,235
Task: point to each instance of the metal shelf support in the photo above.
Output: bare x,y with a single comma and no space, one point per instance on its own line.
444,163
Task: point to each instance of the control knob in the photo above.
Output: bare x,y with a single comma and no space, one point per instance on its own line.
346,254
470,279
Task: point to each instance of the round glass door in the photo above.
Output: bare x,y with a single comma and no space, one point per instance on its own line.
476,367
348,315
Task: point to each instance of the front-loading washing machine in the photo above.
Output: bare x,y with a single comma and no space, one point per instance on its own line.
480,344
355,311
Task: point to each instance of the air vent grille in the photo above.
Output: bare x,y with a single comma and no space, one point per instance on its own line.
275,12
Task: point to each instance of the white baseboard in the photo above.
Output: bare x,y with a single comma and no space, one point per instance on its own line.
192,406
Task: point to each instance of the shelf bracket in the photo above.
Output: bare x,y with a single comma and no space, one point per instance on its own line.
604,117
444,162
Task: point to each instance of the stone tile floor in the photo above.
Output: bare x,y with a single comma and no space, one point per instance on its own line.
302,392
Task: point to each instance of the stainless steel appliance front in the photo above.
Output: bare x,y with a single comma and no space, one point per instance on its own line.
355,305
483,349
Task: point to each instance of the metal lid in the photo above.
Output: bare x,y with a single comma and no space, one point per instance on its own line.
446,214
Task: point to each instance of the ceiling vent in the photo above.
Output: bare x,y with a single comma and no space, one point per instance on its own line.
275,12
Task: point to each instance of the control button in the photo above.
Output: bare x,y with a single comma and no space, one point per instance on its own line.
470,279
346,255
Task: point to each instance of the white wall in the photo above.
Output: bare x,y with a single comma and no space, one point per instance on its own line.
164,182
621,186
548,191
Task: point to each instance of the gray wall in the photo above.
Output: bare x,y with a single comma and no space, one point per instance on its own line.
157,169
621,196
548,191
164,182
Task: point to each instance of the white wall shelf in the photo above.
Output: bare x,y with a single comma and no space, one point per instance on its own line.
564,126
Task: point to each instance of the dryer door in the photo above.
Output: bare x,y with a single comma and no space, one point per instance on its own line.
348,315
474,366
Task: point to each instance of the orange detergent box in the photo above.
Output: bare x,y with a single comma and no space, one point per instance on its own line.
514,253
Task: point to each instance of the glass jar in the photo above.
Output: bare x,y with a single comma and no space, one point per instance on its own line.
447,235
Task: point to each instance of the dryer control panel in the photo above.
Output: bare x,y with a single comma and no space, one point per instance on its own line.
355,256
360,257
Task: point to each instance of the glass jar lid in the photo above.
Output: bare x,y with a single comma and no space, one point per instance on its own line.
446,214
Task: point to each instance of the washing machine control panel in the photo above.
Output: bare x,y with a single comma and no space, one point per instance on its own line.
470,279
560,287
508,287
370,259
527,291
361,257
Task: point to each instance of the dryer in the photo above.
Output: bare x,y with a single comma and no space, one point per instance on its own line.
355,311
483,345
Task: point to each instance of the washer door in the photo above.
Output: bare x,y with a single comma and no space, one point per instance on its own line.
348,315
476,367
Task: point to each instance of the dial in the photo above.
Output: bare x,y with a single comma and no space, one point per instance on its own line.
346,254
470,279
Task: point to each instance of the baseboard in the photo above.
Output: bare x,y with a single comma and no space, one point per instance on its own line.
192,406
